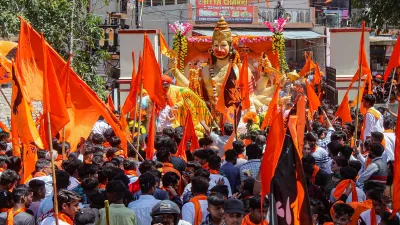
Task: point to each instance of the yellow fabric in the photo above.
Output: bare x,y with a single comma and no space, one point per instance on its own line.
375,113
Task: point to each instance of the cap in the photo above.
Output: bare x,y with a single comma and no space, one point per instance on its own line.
86,216
234,205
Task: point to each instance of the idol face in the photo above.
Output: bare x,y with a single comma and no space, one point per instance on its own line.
220,49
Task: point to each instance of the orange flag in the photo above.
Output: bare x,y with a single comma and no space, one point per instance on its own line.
130,101
3,127
308,66
244,84
394,60
343,111
396,172
228,94
24,127
151,134
292,126
274,145
362,58
16,146
165,50
6,48
110,103
313,100
272,109
189,134
153,83
53,98
317,78
301,121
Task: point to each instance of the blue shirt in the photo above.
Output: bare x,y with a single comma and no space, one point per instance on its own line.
158,194
233,174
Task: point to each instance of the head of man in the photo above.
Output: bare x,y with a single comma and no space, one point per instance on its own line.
368,101
228,129
231,156
8,180
256,214
338,162
115,191
200,185
164,155
375,150
233,211
191,167
68,203
377,137
312,139
22,196
253,151
43,166
147,183
38,188
166,82
377,195
216,206
165,212
343,214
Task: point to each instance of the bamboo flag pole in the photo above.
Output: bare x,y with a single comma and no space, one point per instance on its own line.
63,143
140,117
390,90
107,209
55,207
358,89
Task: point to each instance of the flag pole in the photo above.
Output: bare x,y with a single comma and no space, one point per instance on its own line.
358,89
140,117
5,98
390,90
63,143
53,170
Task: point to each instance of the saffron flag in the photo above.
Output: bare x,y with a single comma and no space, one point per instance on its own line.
153,84
343,111
130,101
308,66
313,100
243,84
6,52
228,94
274,145
301,121
396,171
289,189
165,50
272,108
394,60
3,127
110,103
362,58
16,146
53,98
189,134
24,127
151,134
317,79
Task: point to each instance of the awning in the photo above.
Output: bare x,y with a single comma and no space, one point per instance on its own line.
288,35
382,40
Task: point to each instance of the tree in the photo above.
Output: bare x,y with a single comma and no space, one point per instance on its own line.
53,18
382,15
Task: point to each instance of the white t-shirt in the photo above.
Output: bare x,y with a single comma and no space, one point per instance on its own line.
216,177
163,120
188,211
390,140
52,221
100,127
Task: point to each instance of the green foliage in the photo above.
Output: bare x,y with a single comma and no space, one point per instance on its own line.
382,15
53,19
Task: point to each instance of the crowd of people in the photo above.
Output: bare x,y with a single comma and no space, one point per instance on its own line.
214,186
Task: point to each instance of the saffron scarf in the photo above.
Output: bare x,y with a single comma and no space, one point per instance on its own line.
198,215
247,221
130,172
2,169
205,166
59,158
314,174
101,186
341,187
315,149
166,164
40,174
214,171
241,156
65,218
372,215
11,214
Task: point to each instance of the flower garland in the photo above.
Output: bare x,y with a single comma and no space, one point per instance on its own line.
180,42
278,44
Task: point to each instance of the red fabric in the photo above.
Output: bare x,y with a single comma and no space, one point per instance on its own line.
134,187
272,109
341,187
343,111
313,100
189,134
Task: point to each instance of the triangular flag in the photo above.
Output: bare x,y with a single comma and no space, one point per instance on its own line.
130,101
272,109
110,103
165,50
317,78
4,128
308,66
189,134
53,98
362,58
151,134
394,60
343,111
153,83
313,100
243,84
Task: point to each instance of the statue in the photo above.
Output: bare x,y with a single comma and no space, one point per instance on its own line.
213,74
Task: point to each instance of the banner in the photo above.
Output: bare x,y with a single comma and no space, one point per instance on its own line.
234,11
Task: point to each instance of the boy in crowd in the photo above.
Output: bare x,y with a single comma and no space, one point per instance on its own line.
68,206
39,192
233,212
22,198
215,209
256,216
195,211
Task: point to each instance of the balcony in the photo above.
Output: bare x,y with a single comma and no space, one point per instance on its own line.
292,15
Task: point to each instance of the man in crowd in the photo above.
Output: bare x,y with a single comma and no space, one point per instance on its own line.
373,120
22,197
68,206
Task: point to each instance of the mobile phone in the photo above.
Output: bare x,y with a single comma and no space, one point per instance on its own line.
358,142
157,220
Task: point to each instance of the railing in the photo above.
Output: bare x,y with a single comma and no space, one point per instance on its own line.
292,15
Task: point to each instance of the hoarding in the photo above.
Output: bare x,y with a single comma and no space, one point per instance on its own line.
234,11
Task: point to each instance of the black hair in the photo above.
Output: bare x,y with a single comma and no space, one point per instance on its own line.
98,139
386,219
248,185
117,188
73,155
348,172
202,173
350,126
97,160
170,178
8,177
376,149
346,151
376,194
163,154
255,202
146,165
220,188
114,141
318,208
90,184
230,155
200,185
62,179
41,164
201,153
109,164
14,163
129,164
6,201
3,159
308,159
65,196
371,185
169,132
119,161
377,135
341,161
253,151
216,199
388,123
111,152
99,148
205,141
89,149
228,129
109,133
338,136
370,99
165,142
3,146
87,170
146,182
342,209
58,147
41,154
194,165
238,146
4,135
355,164
20,191
72,165
36,185
214,162
97,199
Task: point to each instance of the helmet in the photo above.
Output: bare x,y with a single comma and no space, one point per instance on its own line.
166,207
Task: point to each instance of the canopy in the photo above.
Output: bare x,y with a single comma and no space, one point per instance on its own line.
287,34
